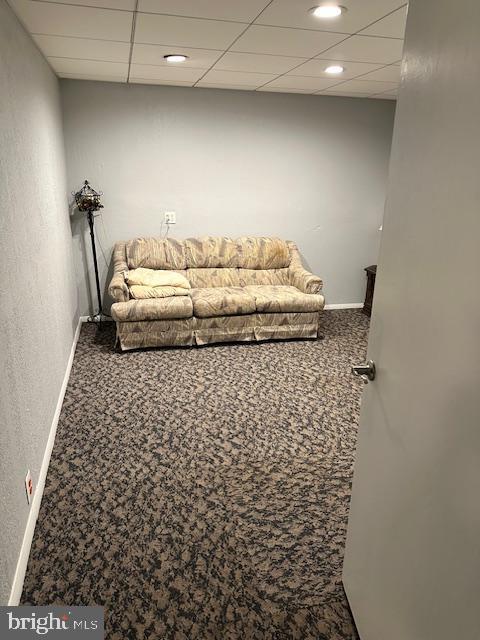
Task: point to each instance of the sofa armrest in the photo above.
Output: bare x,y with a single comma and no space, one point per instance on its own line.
298,276
304,280
118,287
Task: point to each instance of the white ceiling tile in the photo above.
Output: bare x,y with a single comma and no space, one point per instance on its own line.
68,20
183,74
386,74
257,62
170,83
185,32
393,26
89,67
125,5
271,89
300,82
241,11
285,42
89,76
84,48
367,49
238,87
366,86
216,76
79,35
288,13
153,54
317,68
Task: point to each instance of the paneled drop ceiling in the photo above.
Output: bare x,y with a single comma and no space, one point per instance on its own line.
259,45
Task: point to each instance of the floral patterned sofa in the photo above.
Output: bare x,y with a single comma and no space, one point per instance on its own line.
241,290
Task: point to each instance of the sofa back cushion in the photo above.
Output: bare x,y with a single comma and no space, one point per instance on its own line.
156,253
201,278
262,253
220,261
263,276
211,253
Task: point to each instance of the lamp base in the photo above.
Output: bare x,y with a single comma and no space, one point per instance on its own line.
98,318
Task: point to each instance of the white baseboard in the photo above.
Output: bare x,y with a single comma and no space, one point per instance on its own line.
346,305
19,577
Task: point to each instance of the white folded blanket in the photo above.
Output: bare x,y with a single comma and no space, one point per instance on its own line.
156,283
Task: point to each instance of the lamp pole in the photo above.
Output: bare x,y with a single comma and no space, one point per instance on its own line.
95,263
88,201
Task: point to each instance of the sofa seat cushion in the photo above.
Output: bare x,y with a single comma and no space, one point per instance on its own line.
174,307
221,301
284,299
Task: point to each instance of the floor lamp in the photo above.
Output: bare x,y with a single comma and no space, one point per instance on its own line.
88,201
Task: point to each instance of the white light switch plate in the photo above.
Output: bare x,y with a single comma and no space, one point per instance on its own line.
170,217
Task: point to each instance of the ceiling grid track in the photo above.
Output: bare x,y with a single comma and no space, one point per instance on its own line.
132,40
315,57
228,45
232,43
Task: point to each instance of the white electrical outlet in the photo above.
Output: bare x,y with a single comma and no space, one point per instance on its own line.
29,486
170,217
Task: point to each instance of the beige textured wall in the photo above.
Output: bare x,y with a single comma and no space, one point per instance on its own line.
312,169
38,299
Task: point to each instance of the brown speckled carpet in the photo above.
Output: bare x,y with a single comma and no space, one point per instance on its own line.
203,493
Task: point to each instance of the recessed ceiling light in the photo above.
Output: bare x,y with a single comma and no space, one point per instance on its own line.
327,11
175,57
334,69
